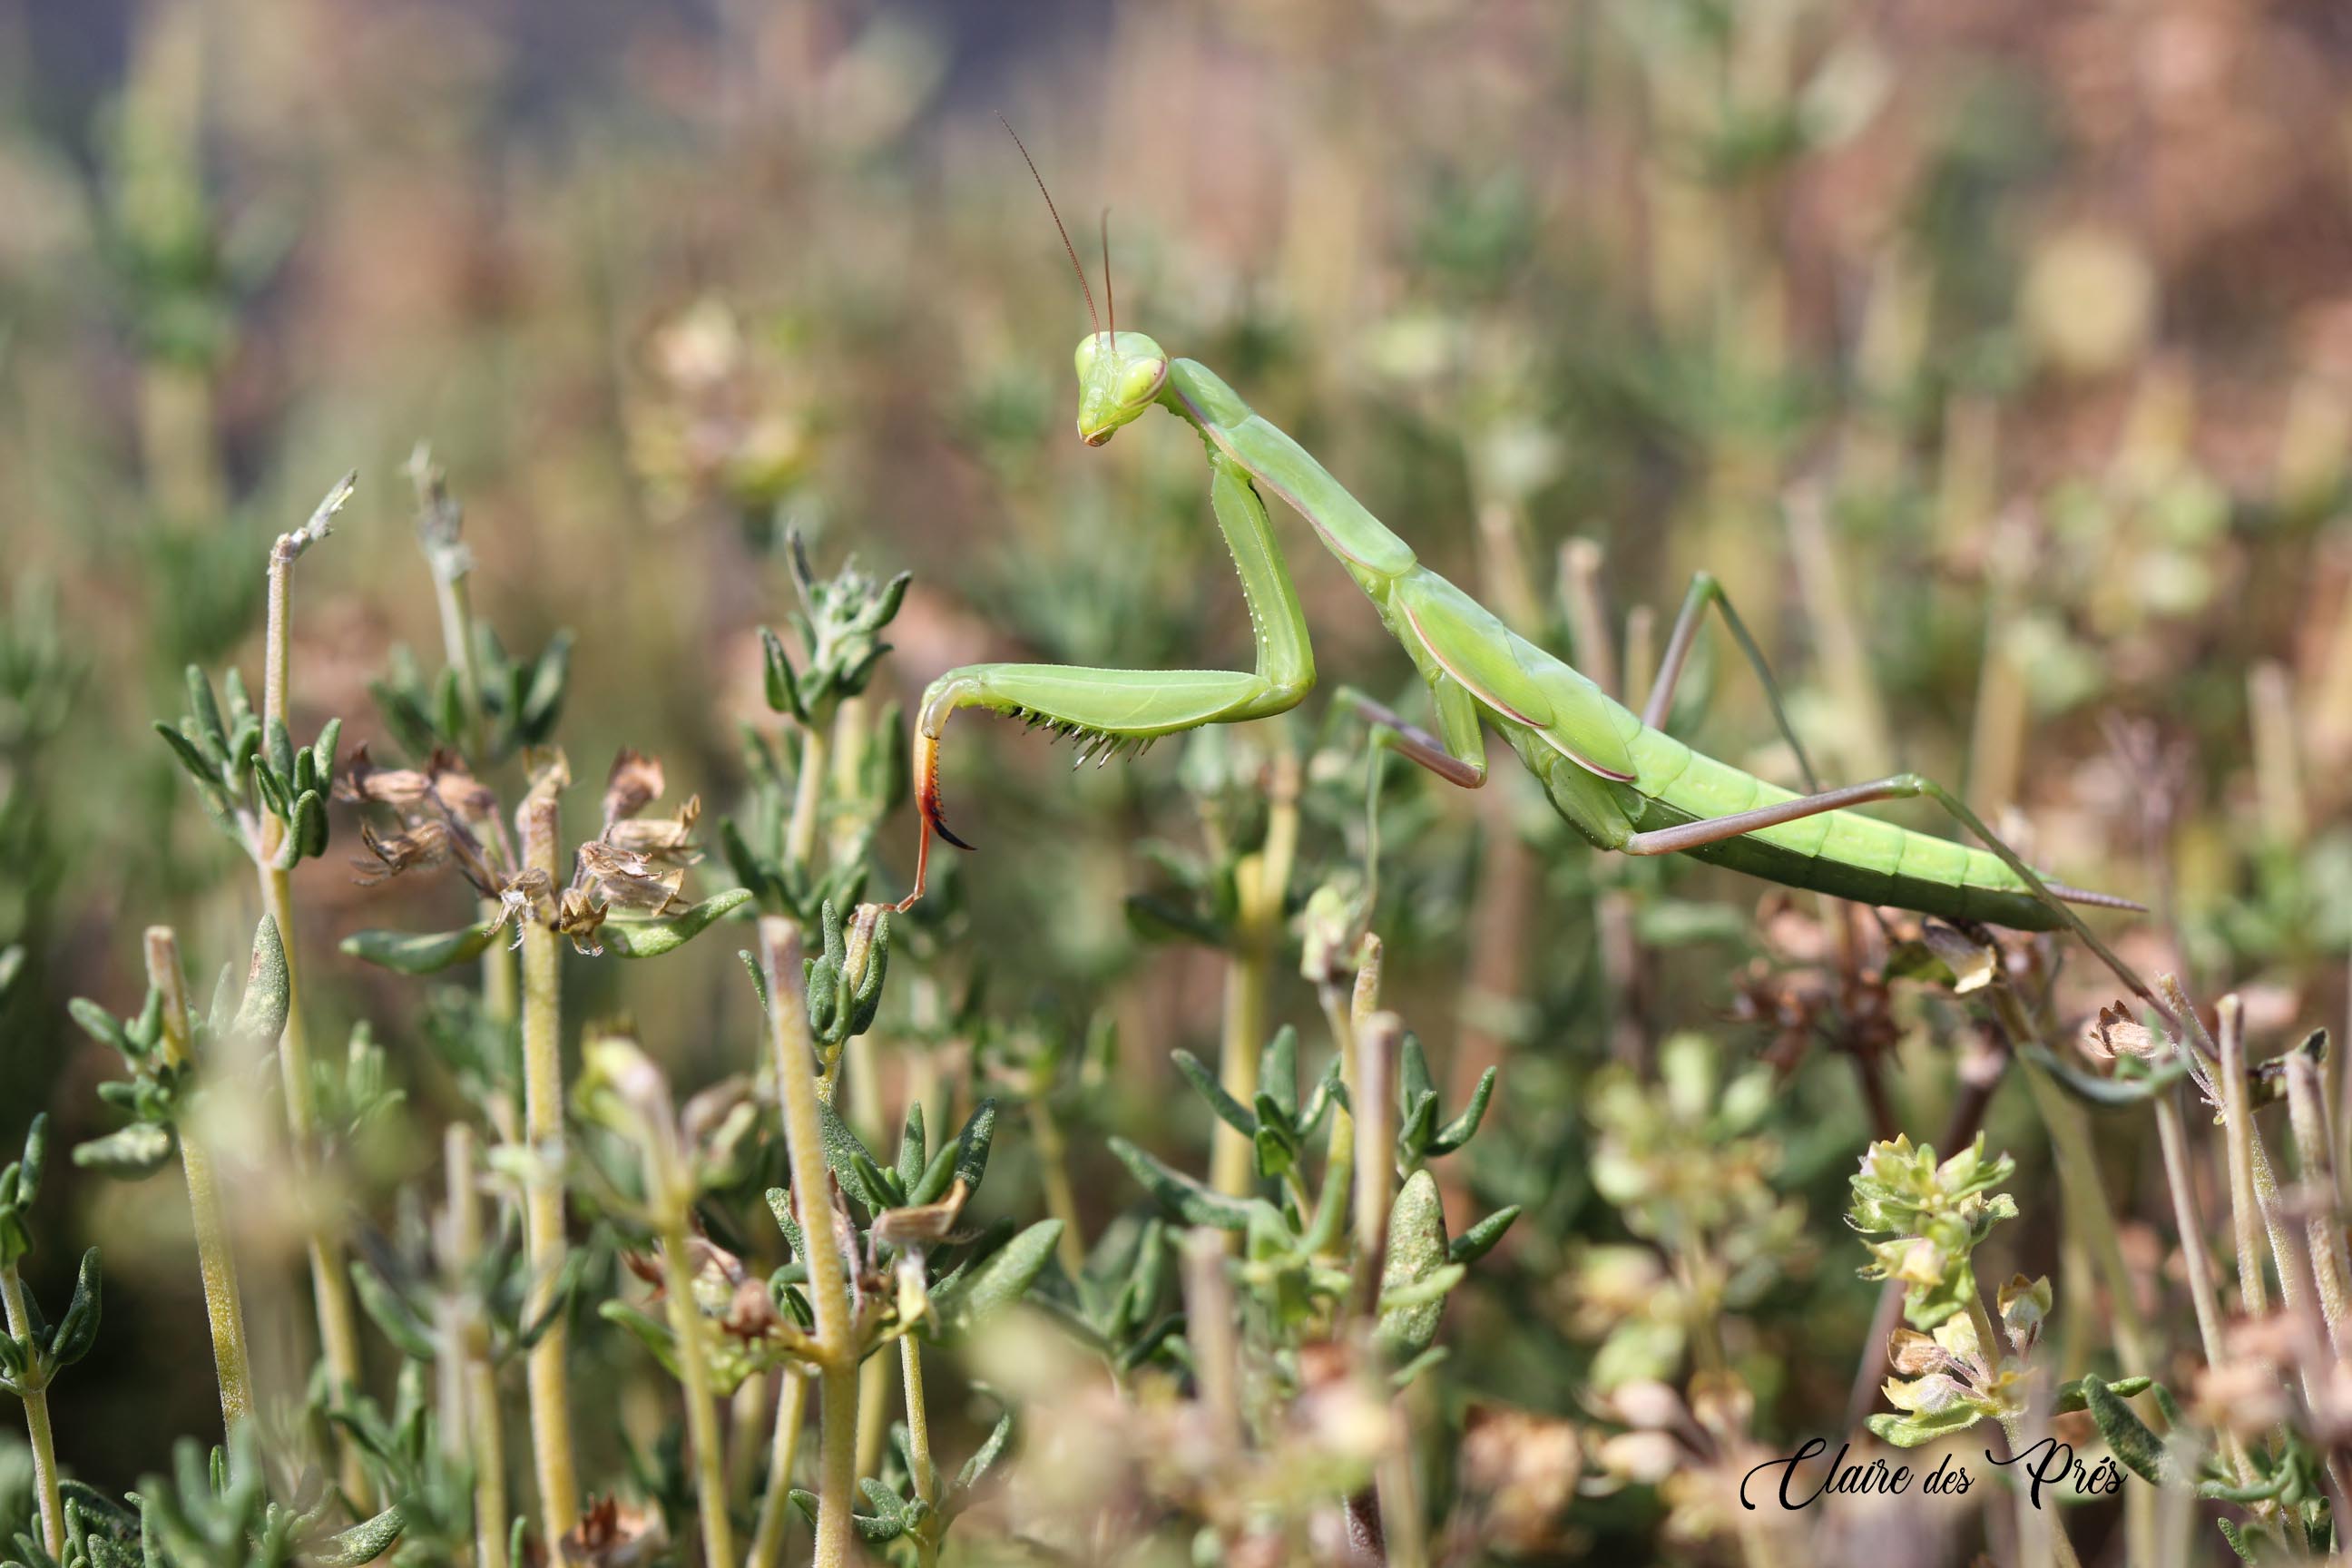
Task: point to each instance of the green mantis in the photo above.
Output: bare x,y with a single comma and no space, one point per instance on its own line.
1618,778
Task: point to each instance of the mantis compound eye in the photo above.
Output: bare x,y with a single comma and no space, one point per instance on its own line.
1142,380
1089,347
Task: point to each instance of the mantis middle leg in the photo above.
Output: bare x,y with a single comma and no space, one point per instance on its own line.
1458,755
1705,591
1109,711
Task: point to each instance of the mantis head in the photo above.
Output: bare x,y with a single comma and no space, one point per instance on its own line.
1120,375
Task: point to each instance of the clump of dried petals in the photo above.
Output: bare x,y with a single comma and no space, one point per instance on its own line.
363,783
519,897
665,841
627,881
427,843
577,917
461,794
2115,1033
635,784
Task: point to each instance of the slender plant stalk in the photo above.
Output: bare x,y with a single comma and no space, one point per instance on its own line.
1210,1326
747,1422
2090,1218
339,1331
1509,864
542,1089
2258,1202
2036,1529
2300,1291
1845,668
1588,621
918,1444
1054,1173
1243,1030
2329,708
224,1306
1379,1036
775,1505
451,1310
835,1354
694,1373
2245,1219
452,597
36,1423
164,104
836,1467
1399,1494
808,794
2329,1264
1262,881
493,1514
1640,648
2278,753
485,1435
1997,741
1334,1208
874,1371
2275,1225
2189,1224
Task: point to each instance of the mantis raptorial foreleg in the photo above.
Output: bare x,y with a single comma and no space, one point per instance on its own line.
1705,591
1111,710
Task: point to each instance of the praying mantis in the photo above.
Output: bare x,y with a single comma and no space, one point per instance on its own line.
1617,778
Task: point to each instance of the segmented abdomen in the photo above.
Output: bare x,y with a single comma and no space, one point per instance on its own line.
1842,853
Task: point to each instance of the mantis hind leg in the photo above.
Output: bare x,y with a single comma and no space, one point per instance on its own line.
2056,897
1705,591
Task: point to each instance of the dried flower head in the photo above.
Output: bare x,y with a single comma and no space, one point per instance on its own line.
2115,1033
461,794
665,841
635,784
627,881
520,895
1913,1354
365,783
577,915
926,1224
427,843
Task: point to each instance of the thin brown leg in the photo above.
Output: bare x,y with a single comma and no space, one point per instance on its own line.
1399,734
1715,829
1705,591
1900,786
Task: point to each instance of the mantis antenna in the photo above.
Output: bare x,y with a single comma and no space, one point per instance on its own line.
1110,300
1076,266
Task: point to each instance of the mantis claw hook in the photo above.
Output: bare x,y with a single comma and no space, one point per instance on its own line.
926,806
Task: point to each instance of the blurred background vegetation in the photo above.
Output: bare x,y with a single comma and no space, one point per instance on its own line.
2041,312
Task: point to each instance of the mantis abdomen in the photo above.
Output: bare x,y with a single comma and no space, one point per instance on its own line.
1842,853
